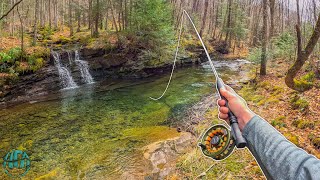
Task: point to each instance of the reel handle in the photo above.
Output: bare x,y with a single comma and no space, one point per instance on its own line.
240,141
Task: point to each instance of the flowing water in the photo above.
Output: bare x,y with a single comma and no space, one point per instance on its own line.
84,69
97,131
64,73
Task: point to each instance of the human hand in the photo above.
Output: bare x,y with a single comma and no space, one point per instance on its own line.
237,105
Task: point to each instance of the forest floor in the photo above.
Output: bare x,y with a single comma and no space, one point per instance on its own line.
295,115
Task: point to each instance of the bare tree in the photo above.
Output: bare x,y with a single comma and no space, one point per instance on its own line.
302,55
263,68
70,18
7,13
203,27
272,11
35,25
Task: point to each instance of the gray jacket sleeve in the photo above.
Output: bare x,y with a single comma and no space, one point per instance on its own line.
278,158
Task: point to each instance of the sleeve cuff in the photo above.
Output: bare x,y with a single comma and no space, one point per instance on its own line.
250,125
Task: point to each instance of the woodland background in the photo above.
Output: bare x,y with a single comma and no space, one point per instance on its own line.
281,37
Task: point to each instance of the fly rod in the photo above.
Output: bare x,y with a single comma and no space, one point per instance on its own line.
217,142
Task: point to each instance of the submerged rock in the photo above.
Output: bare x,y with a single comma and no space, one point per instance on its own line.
161,156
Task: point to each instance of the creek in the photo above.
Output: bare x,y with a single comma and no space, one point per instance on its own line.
98,129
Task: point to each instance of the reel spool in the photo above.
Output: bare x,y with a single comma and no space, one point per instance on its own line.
217,142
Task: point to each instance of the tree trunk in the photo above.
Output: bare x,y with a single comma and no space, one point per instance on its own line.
49,13
113,16
62,14
78,16
229,22
90,15
70,18
42,20
35,25
125,14
263,68
55,19
203,27
302,56
216,21
96,17
272,9
107,14
314,9
22,30
119,15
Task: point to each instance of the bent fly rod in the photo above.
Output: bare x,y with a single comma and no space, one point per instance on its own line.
217,142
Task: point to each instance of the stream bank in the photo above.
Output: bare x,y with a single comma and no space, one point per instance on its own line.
103,64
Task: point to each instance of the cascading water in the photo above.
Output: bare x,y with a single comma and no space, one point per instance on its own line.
64,74
84,69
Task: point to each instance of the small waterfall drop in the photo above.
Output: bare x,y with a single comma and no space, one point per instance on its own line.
64,74
84,69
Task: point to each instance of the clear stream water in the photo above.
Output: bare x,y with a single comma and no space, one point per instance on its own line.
97,131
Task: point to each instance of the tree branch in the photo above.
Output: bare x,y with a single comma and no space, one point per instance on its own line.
7,13
314,38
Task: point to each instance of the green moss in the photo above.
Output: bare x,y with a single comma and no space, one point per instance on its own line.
277,89
310,77
46,32
302,85
272,100
247,93
302,124
64,40
293,138
257,98
278,122
299,103
265,85
306,82
262,102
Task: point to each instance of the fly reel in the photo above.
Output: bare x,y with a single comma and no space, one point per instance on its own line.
217,142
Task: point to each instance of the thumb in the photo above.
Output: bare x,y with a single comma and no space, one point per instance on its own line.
227,94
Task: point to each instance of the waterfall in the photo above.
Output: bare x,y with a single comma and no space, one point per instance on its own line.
64,74
84,69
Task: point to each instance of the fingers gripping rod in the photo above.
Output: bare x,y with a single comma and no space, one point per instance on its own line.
240,141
